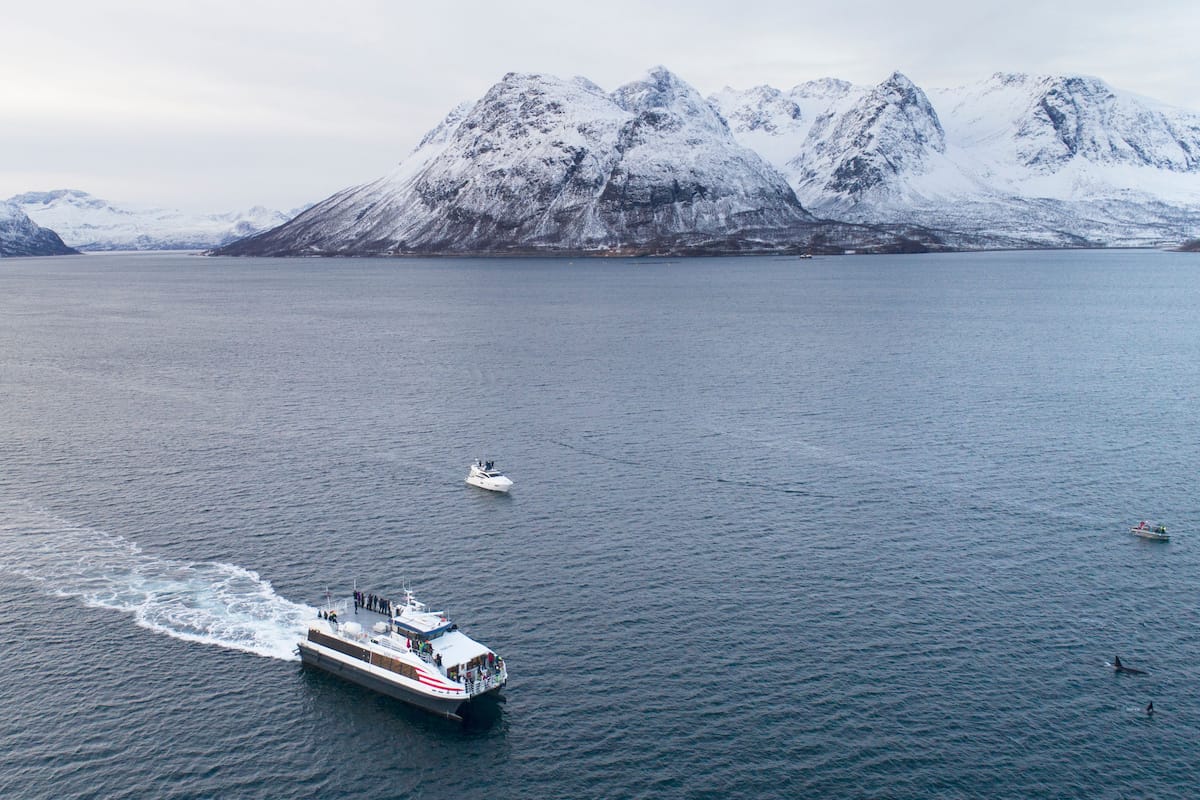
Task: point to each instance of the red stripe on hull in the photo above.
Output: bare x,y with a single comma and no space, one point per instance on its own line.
429,680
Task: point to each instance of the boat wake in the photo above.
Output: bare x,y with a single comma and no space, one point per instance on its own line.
666,467
208,602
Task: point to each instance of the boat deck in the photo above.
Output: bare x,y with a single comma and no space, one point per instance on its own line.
346,612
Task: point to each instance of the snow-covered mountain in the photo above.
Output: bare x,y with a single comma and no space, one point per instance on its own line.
89,223
1014,160
21,236
544,165
541,164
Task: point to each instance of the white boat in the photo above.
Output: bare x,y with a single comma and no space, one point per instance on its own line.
403,650
486,476
1148,530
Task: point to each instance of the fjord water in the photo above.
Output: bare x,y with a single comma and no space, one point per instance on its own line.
848,527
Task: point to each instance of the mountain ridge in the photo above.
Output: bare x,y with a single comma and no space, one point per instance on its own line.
90,223
1042,160
543,165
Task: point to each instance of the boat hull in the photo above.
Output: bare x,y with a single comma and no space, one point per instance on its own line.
491,484
1151,535
442,706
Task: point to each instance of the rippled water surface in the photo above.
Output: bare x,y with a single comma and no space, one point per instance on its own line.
851,527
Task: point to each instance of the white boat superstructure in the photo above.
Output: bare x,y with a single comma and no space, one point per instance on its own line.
403,650
485,475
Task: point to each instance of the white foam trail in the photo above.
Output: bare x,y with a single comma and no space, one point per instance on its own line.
208,602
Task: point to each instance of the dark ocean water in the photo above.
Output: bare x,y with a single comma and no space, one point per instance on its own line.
844,528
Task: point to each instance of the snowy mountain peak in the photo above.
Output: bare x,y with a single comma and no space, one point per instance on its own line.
661,93
658,90
761,108
524,104
1009,78
73,197
902,92
824,88
441,133
891,130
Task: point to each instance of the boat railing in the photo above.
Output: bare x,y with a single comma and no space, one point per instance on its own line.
484,682
422,651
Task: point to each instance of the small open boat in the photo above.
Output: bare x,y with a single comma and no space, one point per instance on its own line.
1148,530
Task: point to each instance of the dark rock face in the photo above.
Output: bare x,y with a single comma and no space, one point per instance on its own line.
20,236
1083,117
542,165
888,132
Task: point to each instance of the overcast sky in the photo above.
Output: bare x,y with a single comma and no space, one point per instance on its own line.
214,106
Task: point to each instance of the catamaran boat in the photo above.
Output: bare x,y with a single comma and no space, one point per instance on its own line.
485,475
403,650
1148,530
